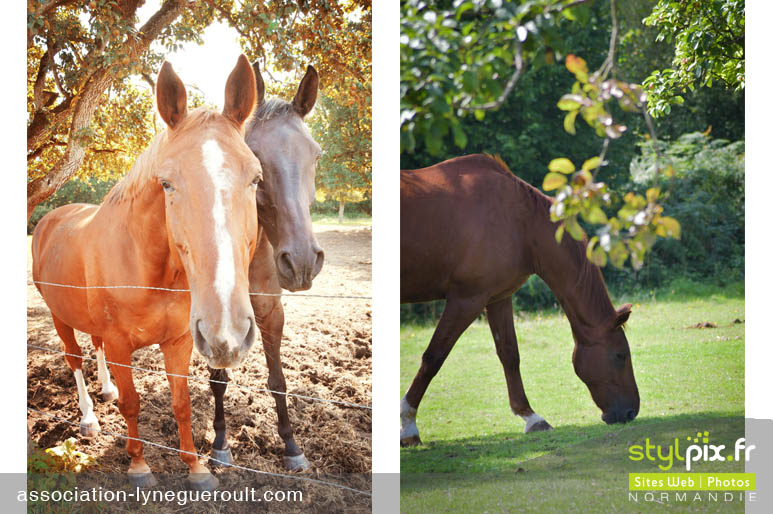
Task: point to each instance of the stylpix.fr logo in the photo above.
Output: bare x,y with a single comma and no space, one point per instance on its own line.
699,449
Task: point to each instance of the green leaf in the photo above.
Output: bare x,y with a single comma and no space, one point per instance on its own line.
618,254
569,122
479,114
599,257
553,181
591,164
574,228
570,102
559,233
596,216
561,165
470,81
460,138
672,226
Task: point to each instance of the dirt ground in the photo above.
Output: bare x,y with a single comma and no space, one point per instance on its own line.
326,352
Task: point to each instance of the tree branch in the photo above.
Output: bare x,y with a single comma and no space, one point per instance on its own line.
88,101
520,67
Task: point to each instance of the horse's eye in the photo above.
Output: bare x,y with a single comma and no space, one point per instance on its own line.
167,185
256,180
620,356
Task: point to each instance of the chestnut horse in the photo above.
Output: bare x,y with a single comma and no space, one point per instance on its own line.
184,217
288,255
472,233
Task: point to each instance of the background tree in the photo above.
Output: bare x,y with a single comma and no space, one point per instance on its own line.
468,59
86,113
708,42
699,140
344,172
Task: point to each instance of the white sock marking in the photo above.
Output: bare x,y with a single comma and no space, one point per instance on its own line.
408,426
104,374
226,267
531,420
84,400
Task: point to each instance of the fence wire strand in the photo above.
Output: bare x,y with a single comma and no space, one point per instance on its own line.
236,466
203,379
151,288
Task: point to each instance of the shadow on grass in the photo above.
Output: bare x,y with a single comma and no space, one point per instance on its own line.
573,468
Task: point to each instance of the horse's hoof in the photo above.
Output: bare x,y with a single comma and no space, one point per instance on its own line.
108,395
540,426
89,428
221,457
203,481
413,440
143,480
296,462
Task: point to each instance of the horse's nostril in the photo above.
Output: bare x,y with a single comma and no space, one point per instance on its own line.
318,261
285,263
200,341
630,415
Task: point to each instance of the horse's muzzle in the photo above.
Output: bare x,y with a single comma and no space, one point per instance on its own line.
223,350
296,272
619,415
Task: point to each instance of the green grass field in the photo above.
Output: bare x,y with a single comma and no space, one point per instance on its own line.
475,457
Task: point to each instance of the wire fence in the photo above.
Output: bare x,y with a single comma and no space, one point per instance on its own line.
204,379
220,462
207,380
285,295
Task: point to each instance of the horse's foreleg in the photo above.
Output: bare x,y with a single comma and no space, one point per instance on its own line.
456,317
109,391
129,407
177,358
89,425
500,320
270,317
221,452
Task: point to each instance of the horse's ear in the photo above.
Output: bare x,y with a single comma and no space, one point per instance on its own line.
306,96
622,314
171,98
261,87
240,92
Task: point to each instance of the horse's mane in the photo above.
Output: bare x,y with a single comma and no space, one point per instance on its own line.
273,108
143,170
589,277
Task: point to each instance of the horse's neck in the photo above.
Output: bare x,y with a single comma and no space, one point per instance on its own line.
145,235
577,283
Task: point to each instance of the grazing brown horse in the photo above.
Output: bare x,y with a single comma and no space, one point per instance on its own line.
288,255
184,217
472,233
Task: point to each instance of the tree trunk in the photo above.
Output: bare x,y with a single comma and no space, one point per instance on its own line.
341,204
85,104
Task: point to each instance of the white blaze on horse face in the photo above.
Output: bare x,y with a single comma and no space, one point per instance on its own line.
408,426
225,269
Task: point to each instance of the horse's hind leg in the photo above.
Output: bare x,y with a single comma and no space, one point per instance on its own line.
456,317
89,425
500,320
109,390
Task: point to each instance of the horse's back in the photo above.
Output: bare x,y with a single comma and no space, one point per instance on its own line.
463,226
55,232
